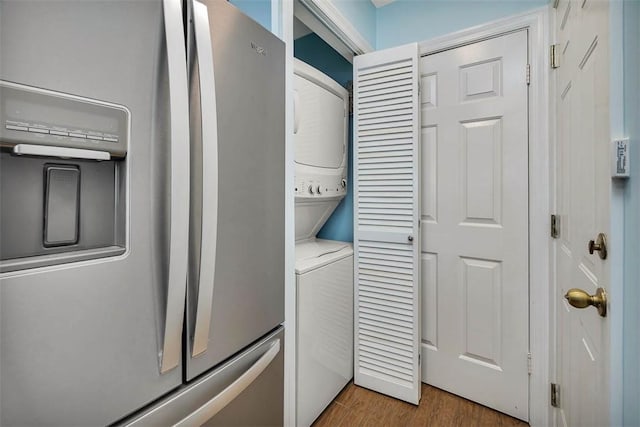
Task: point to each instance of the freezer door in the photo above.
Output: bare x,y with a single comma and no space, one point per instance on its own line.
247,390
236,278
84,341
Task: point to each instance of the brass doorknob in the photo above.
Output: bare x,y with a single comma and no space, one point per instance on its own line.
580,299
599,245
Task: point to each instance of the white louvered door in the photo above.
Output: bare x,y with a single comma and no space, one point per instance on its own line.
386,236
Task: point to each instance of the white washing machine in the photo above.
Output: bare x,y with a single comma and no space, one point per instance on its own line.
324,280
324,268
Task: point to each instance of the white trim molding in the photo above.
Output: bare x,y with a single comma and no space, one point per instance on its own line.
329,15
380,3
541,346
282,26
310,20
616,229
332,25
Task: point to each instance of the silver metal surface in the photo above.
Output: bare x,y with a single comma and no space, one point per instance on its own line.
232,391
100,203
39,116
248,283
59,258
80,340
209,198
179,226
259,404
61,152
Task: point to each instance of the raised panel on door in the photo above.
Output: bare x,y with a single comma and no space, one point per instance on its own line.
475,222
386,240
583,204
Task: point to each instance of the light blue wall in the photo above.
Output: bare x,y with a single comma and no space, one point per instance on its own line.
362,14
258,10
631,328
315,52
407,21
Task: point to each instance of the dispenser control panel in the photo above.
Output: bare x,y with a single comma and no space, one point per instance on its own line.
34,116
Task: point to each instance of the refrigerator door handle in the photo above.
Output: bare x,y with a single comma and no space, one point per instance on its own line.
209,216
178,240
233,390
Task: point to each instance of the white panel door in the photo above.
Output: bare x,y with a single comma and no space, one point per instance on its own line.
386,238
475,265
583,203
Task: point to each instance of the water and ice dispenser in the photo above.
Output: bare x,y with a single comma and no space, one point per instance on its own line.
63,177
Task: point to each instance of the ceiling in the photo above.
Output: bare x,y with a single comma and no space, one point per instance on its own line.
380,3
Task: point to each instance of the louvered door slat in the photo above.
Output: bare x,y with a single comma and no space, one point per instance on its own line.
396,126
386,238
387,283
383,350
383,110
379,70
392,324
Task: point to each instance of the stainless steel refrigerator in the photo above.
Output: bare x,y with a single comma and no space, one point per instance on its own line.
141,214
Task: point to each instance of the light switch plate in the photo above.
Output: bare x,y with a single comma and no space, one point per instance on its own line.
620,158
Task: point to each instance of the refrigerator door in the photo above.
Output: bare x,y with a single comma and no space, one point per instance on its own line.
84,341
236,277
247,390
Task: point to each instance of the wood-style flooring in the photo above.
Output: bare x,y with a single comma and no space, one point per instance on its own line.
357,406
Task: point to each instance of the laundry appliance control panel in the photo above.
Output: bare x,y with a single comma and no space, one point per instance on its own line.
309,185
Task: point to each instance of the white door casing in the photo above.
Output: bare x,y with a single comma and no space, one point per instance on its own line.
475,252
386,235
583,203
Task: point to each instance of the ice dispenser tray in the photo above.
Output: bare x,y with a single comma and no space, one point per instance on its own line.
63,174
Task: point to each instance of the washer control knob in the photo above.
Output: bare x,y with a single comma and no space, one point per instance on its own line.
311,189
318,190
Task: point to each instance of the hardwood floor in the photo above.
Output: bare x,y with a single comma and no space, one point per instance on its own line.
357,406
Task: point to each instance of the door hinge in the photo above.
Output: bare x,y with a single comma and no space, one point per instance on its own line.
529,366
554,56
349,87
555,226
528,74
419,359
555,395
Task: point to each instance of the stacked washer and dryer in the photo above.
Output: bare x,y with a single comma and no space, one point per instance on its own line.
324,268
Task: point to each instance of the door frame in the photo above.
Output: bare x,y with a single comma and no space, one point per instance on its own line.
541,141
282,26
617,221
282,14
541,311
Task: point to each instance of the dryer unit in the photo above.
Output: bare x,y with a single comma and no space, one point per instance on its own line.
320,126
324,268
